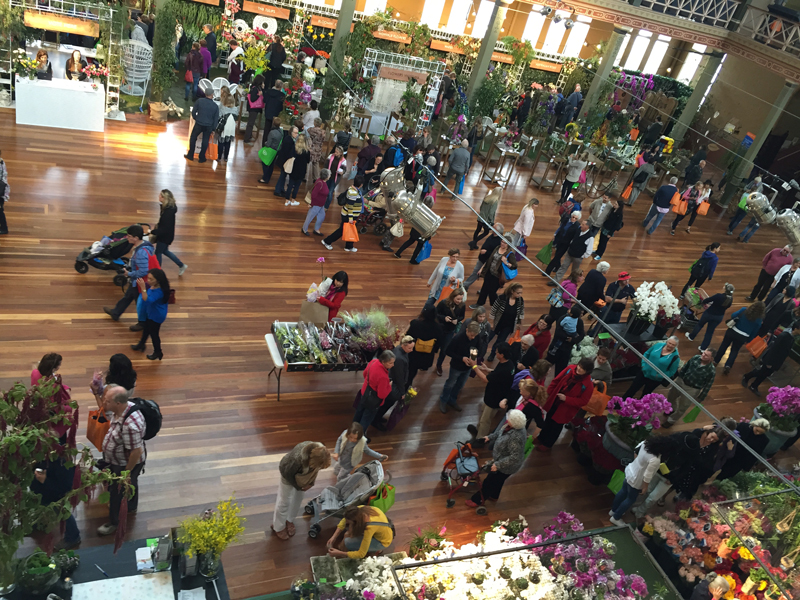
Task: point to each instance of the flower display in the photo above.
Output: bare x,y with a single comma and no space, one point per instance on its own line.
782,407
650,298
96,70
214,530
24,65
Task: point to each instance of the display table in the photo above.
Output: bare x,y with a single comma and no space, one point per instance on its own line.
61,103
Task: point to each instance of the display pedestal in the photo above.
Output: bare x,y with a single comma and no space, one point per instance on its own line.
60,103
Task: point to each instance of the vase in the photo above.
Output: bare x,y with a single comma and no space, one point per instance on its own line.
660,332
210,564
36,575
638,326
776,437
616,447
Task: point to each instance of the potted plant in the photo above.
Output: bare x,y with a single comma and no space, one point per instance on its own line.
782,410
630,421
37,574
651,302
209,534
427,539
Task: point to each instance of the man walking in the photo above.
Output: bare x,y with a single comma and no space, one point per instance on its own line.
461,362
652,133
498,387
140,258
579,248
492,242
770,265
598,213
696,377
661,203
205,113
458,165
773,358
694,173
571,106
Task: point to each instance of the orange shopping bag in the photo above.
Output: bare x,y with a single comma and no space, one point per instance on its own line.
627,193
212,152
514,337
757,346
599,401
349,232
634,134
97,428
676,199
702,208
446,291
681,207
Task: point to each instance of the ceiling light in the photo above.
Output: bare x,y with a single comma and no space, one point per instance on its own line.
557,19
397,15
474,14
502,29
546,10
599,46
568,24
669,69
469,24
585,44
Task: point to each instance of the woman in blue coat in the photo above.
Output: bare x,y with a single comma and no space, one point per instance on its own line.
742,328
155,301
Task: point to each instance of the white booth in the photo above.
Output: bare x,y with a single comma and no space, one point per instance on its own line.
61,103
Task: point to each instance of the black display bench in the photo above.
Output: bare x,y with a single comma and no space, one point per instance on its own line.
123,564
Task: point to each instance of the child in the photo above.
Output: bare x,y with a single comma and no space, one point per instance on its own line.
350,448
569,324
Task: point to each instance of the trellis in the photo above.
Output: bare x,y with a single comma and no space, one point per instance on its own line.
104,14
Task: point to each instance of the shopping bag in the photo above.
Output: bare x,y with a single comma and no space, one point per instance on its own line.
427,248
676,199
212,152
627,193
634,134
598,402
555,298
545,254
529,446
308,198
461,185
188,77
383,498
617,479
514,337
582,177
267,155
692,415
446,291
757,346
398,412
509,272
97,427
313,312
349,232
702,208
681,207
522,250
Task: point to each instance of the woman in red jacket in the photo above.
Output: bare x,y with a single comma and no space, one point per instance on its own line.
335,296
568,393
376,376
541,334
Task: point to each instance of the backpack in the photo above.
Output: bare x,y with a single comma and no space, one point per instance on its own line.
398,156
151,413
341,199
559,109
640,177
702,267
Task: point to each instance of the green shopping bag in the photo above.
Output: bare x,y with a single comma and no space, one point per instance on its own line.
617,479
383,498
267,155
692,415
529,446
546,254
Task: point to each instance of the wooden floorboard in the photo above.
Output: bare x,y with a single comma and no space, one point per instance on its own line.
249,265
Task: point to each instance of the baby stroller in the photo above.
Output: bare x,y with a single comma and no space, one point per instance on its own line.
108,254
460,469
693,309
351,491
373,216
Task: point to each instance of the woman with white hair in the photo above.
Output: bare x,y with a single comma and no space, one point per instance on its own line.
594,284
663,355
752,434
713,588
508,455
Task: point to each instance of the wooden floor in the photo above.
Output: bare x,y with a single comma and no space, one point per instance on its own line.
223,430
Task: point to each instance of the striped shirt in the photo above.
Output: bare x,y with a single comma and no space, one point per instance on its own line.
697,375
353,206
121,439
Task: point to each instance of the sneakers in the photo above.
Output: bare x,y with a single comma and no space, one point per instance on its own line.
611,513
688,337
597,257
396,255
472,306
328,246
618,522
106,529
729,233
351,249
287,203
748,298
754,390
672,232
294,203
182,270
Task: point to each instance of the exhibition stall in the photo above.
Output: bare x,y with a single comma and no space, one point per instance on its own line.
80,104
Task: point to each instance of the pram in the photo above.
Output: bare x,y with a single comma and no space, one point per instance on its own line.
351,491
108,254
374,215
693,309
460,469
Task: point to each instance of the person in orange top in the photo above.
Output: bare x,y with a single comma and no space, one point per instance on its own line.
335,296
567,394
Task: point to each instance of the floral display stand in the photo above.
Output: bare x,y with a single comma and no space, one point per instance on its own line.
507,156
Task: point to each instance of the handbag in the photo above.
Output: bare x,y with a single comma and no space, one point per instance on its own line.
681,207
369,400
555,299
308,198
427,248
461,185
424,346
702,208
383,499
397,229
627,193
97,428
349,232
599,401
757,346
509,272
582,176
288,165
676,199
522,250
259,103
545,254
617,479
446,291
267,154
188,78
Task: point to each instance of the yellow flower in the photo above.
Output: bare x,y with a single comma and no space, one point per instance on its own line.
313,37
322,36
745,553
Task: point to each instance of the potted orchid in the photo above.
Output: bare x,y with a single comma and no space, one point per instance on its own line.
653,303
630,421
782,410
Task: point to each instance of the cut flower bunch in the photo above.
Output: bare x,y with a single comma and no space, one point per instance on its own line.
214,530
654,298
632,419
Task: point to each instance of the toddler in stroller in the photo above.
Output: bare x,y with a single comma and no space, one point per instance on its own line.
108,254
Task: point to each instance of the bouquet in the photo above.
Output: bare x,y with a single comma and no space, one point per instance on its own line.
650,298
214,530
782,408
633,419
96,71
24,65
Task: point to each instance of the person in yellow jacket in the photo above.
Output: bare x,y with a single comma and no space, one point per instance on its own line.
351,208
366,530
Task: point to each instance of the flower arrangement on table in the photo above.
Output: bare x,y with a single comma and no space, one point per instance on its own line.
633,419
782,408
512,139
373,330
96,71
23,65
426,540
651,298
212,532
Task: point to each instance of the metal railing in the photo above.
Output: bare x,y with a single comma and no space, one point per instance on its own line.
717,13
771,30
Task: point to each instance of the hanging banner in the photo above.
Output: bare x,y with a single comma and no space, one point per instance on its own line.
445,47
503,58
51,22
392,36
265,9
317,21
543,65
401,74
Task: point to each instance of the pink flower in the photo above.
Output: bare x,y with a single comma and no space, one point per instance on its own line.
321,259
442,530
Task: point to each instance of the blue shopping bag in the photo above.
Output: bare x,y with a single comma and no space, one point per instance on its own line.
461,185
509,272
425,252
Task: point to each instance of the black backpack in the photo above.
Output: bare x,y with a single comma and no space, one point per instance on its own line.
341,199
151,413
702,267
640,177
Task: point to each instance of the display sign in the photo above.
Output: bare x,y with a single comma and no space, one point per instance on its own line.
265,9
445,47
51,22
503,58
401,74
392,36
317,21
211,2
749,139
543,65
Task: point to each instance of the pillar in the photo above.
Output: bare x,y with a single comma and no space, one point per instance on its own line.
623,58
648,50
604,68
343,23
702,81
745,165
487,46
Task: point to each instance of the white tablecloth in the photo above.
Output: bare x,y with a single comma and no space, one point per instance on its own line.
60,103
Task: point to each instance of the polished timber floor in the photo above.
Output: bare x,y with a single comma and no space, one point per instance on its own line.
224,431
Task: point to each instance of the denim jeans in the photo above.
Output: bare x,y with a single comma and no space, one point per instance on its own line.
748,231
131,294
624,499
71,532
280,186
452,387
737,218
657,489
293,188
162,249
205,131
474,275
353,544
653,213
365,416
317,212
331,190
711,322
450,174
191,86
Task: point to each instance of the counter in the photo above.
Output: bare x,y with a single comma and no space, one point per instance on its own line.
61,103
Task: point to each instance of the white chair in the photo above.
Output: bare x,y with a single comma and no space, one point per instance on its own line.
137,62
218,84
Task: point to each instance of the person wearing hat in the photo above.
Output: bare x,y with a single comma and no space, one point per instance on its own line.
617,296
508,455
138,267
715,307
773,358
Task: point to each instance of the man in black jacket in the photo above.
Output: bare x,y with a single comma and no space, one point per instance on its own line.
563,239
492,242
399,375
694,173
498,387
461,361
206,116
579,248
653,132
273,105
52,481
773,358
661,204
211,42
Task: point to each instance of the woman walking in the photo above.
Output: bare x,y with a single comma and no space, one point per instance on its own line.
508,455
366,530
336,294
507,314
351,208
569,391
474,137
227,115
5,192
486,216
316,139
155,301
299,469
492,271
301,159
427,334
255,104
524,224
703,268
274,140
563,238
663,355
715,307
575,167
319,196
693,197
611,225
336,164
641,176
165,230
449,313
448,273
742,328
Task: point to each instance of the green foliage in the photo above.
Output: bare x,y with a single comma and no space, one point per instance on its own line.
411,104
12,25
164,50
193,15
427,539
488,95
420,40
521,52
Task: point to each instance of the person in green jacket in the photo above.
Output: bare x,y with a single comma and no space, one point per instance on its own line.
486,215
663,355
